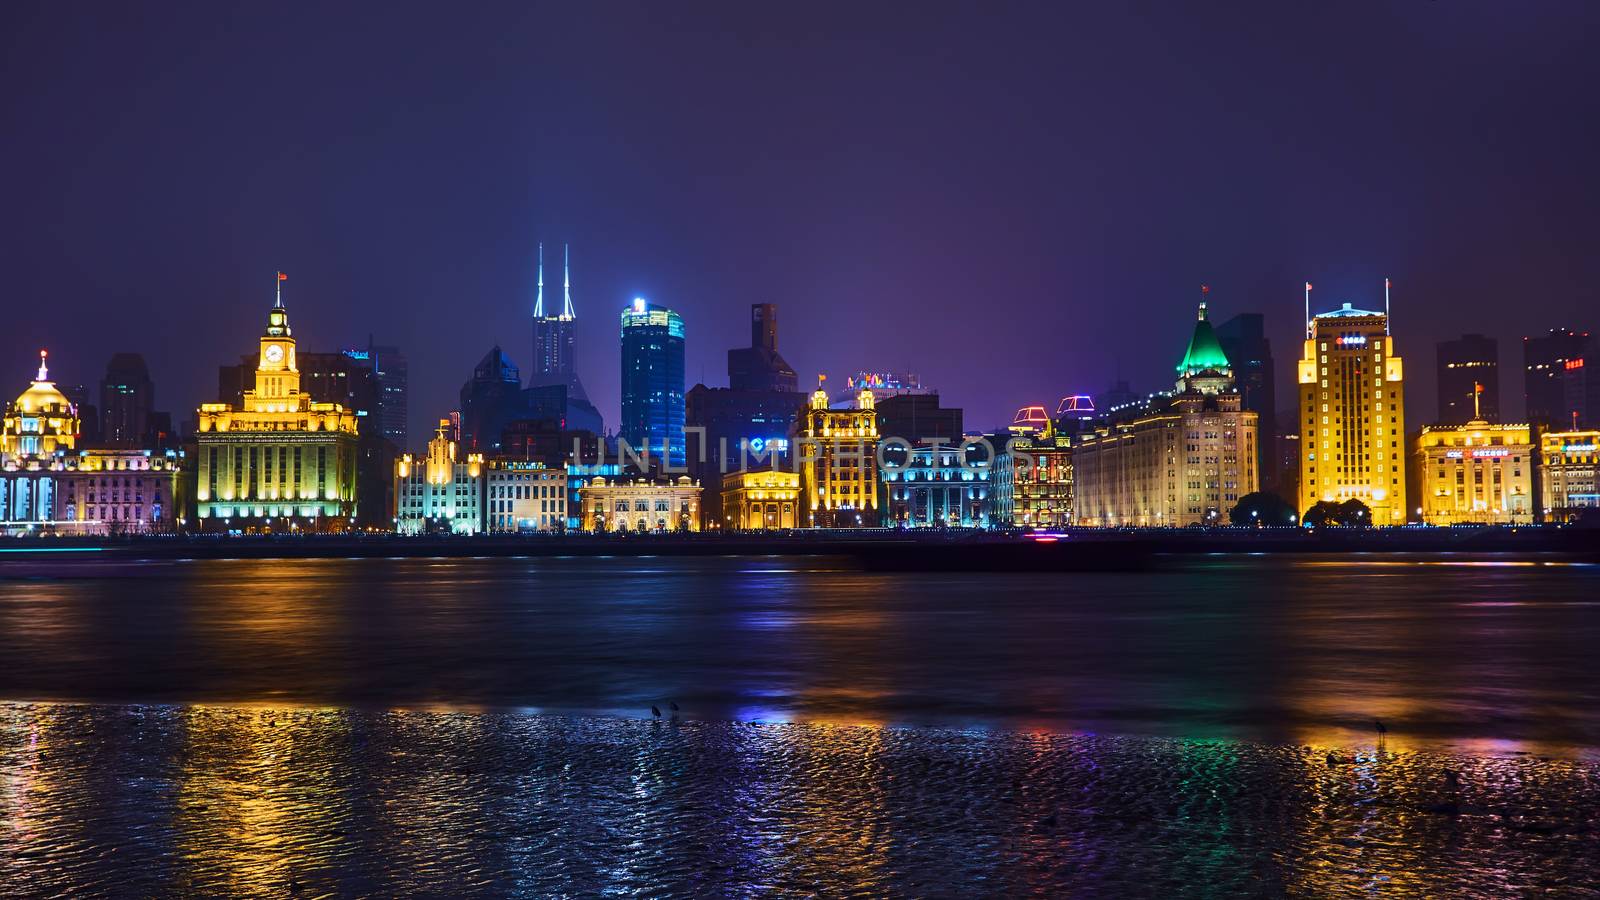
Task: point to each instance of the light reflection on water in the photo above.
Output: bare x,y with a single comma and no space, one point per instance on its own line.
389,727
137,801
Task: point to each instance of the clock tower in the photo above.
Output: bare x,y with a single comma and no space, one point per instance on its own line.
277,378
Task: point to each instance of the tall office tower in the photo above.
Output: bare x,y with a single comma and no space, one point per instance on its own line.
652,381
1244,339
554,336
1352,413
1469,379
126,397
1544,361
1580,387
393,375
759,367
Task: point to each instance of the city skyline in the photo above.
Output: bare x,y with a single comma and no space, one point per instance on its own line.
1011,200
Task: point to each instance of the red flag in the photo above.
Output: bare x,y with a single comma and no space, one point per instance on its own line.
1308,285
282,277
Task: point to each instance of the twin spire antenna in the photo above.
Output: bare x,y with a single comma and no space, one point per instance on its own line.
566,285
1386,322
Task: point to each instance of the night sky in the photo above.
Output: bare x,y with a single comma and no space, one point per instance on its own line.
1017,201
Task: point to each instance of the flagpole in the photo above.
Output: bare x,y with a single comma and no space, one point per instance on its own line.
1308,310
1386,306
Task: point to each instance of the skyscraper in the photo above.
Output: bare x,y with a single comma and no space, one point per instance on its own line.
554,339
1469,379
1244,339
759,367
652,381
1544,361
1352,421
127,396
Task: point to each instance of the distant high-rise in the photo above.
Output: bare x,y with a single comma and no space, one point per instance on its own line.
554,336
127,396
1469,374
652,380
390,368
759,367
490,401
1244,339
1352,422
1544,362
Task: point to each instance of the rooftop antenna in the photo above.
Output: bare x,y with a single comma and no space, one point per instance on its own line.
538,298
566,277
1204,290
278,304
44,370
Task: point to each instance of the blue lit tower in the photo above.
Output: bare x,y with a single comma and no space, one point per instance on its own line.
652,380
554,355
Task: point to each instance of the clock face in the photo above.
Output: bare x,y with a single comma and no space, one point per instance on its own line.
274,353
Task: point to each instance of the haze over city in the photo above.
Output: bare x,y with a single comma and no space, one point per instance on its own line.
1015,202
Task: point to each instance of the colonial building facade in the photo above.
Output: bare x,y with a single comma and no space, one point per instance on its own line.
524,496
279,461
641,505
760,501
442,493
1476,473
838,460
1570,475
1187,461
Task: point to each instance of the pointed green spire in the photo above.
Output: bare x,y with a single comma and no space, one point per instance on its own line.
1204,352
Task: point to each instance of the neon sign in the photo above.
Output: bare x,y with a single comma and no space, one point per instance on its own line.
1577,449
761,445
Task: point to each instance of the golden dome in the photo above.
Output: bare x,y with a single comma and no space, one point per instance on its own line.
42,396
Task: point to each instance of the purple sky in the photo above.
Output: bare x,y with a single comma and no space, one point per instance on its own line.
1016,200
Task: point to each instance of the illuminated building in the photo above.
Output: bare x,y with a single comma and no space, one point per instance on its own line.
760,501
117,492
1570,473
641,505
938,486
652,381
279,460
1352,414
48,483
1476,473
1244,340
1186,460
440,494
1039,472
838,461
525,496
349,378
40,427
759,367
579,474
41,421
1544,371
1468,379
554,335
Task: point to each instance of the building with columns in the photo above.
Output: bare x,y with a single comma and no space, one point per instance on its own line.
641,505
837,452
279,461
1477,473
